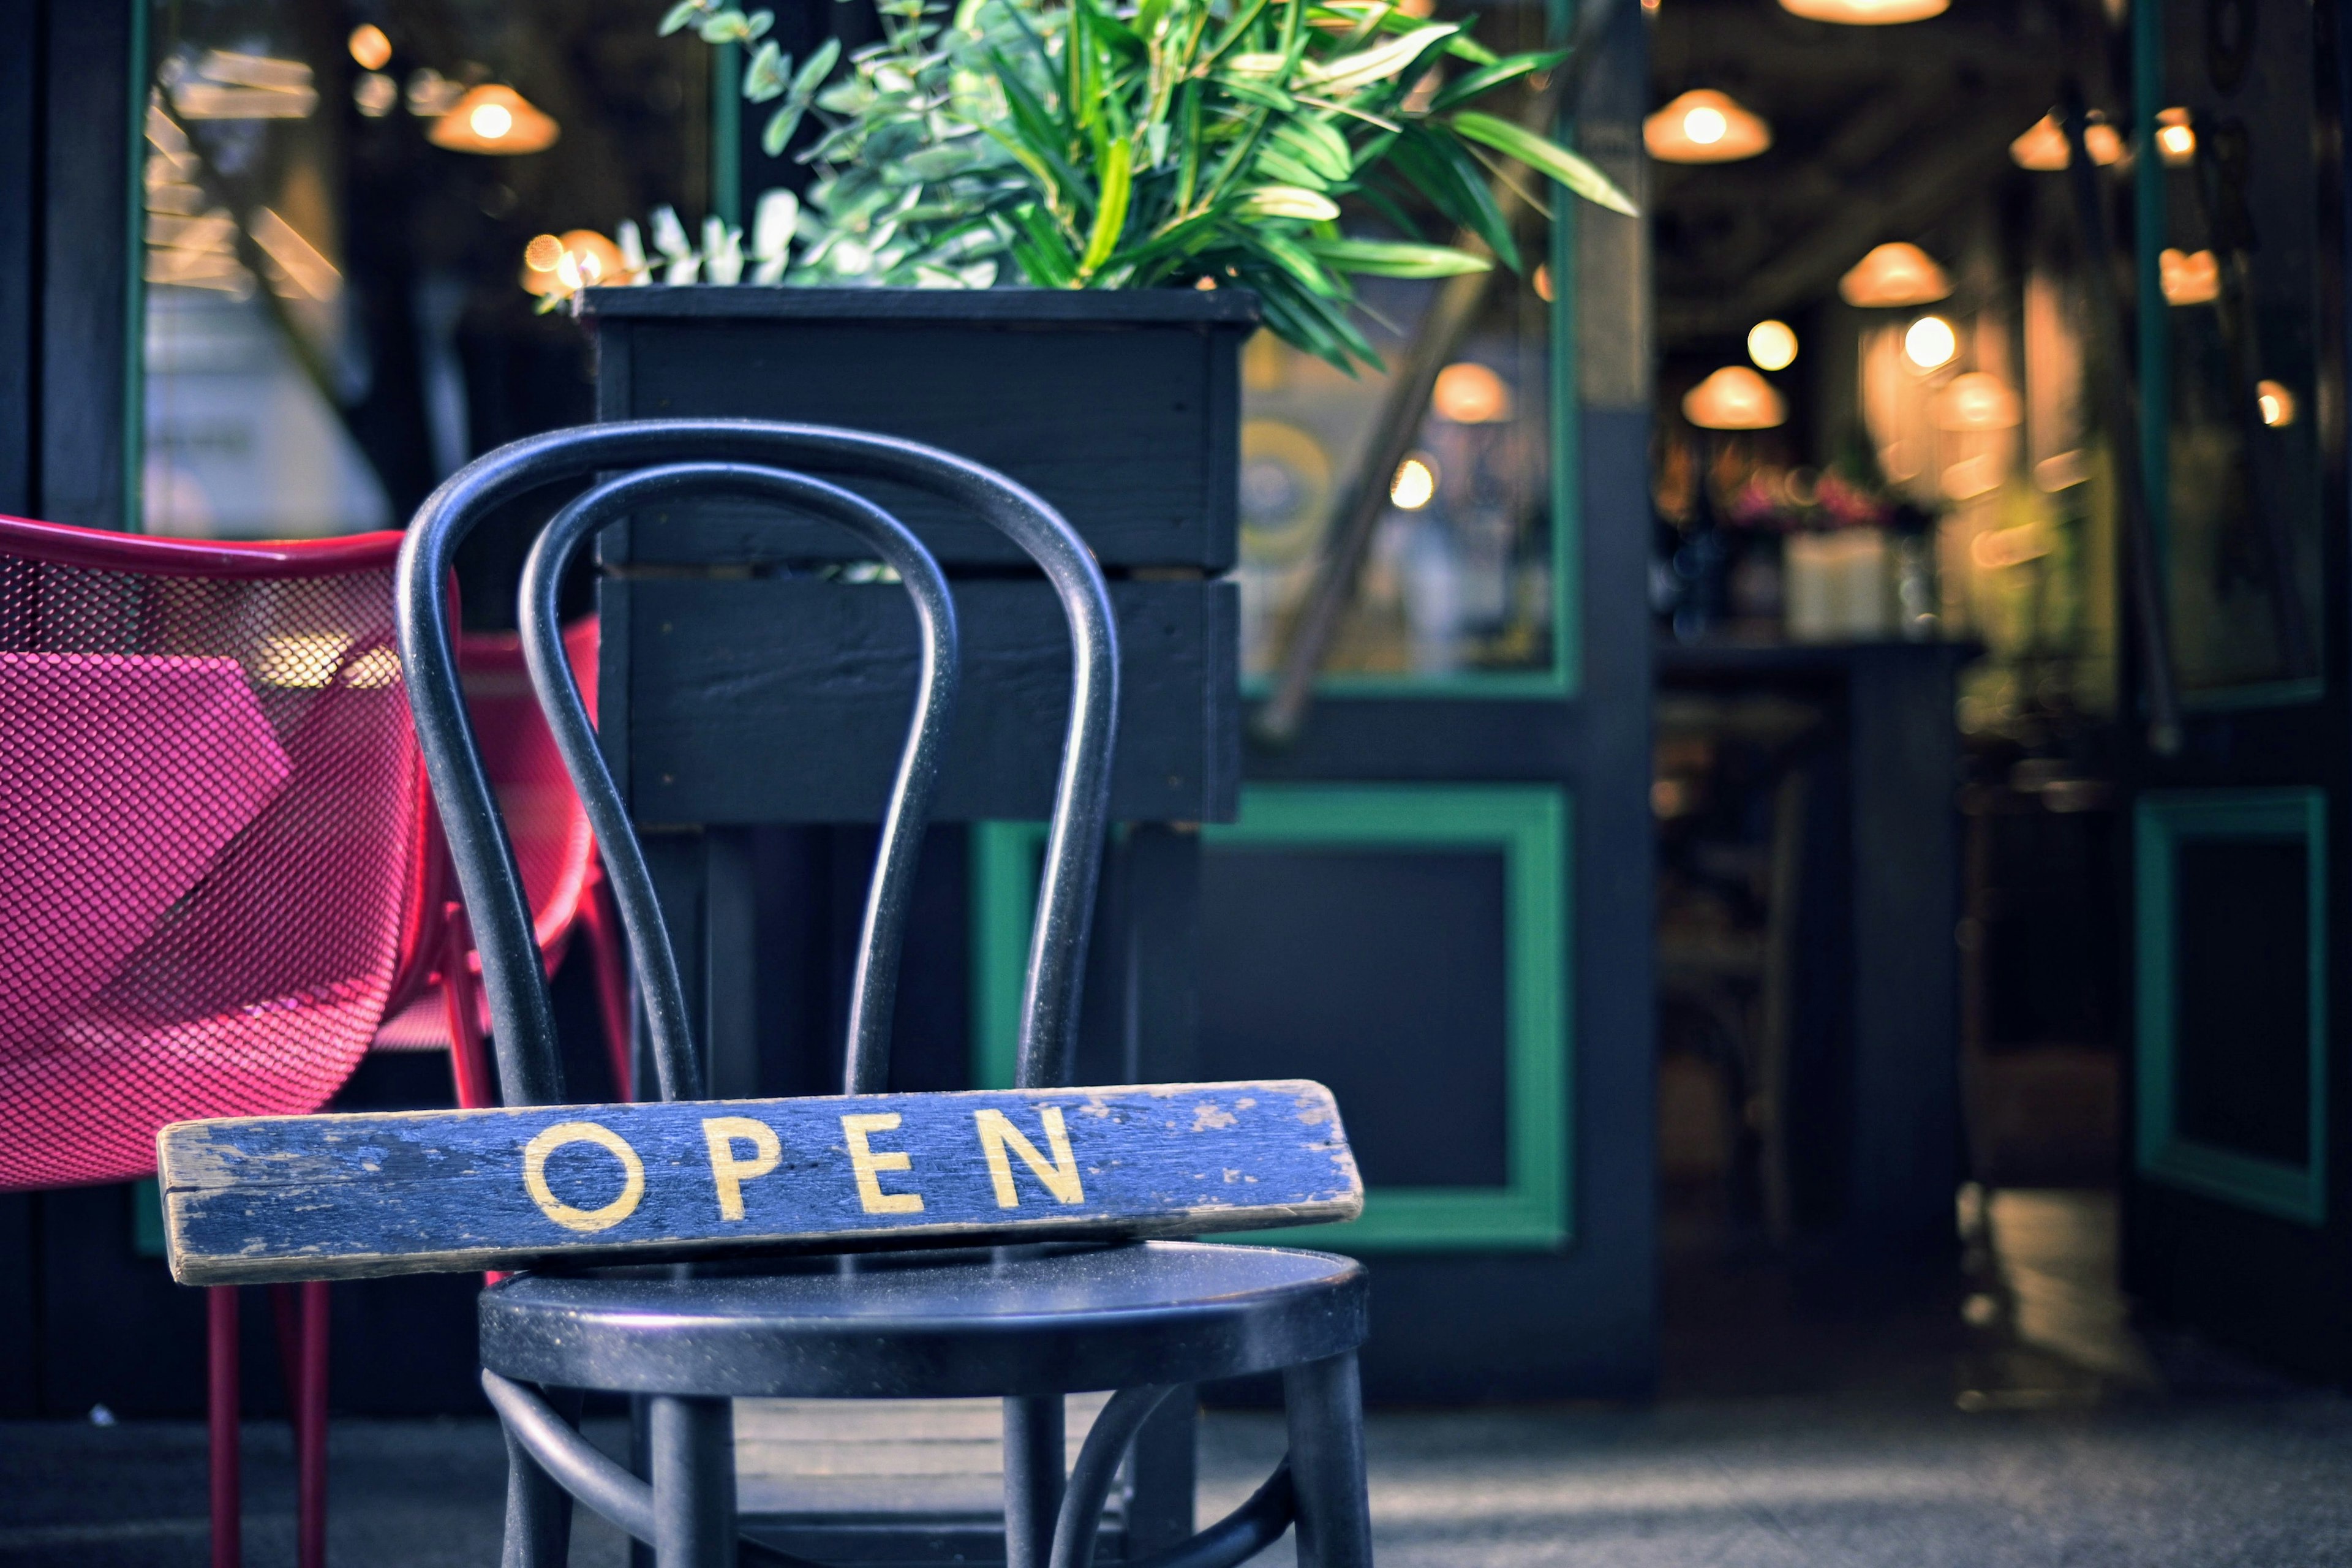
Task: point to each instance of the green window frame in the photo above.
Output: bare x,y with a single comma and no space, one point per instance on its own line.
2162,822
1531,825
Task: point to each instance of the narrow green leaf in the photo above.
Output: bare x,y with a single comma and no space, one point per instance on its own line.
1486,78
1438,167
1352,73
1396,259
1545,156
1110,212
1283,169
1290,201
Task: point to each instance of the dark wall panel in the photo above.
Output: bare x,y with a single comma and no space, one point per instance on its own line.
1380,975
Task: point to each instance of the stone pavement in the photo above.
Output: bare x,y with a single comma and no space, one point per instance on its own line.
2148,1483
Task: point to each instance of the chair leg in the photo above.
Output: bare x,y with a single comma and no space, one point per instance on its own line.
538,1512
1034,1458
1325,1402
602,922
221,1413
311,1430
694,1481
469,1063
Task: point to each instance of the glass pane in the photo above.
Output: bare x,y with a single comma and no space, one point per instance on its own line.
1459,579
338,199
2240,273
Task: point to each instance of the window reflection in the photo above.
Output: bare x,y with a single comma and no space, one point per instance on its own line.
336,202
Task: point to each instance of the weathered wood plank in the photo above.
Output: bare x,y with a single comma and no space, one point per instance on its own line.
354,1196
786,700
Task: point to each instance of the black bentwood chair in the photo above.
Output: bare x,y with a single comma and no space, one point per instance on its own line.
1027,1324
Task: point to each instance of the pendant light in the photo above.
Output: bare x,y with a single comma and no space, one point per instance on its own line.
1734,398
495,120
1893,275
2044,149
1865,13
1704,126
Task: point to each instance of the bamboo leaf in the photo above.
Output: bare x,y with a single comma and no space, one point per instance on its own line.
1444,173
1396,259
1545,156
1486,78
1290,201
1110,212
1353,73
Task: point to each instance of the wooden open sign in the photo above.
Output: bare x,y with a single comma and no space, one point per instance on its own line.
348,1197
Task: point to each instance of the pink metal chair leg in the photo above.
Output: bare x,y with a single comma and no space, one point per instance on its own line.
221,1412
469,1064
602,922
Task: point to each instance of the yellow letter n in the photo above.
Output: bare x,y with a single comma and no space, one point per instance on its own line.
997,1133
867,1163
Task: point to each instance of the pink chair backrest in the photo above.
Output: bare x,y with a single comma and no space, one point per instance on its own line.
212,857
553,844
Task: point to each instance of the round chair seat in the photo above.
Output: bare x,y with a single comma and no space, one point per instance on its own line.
929,1325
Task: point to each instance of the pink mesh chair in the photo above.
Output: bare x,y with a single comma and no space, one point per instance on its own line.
555,852
216,877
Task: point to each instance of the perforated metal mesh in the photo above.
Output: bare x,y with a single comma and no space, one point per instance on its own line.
553,845
210,843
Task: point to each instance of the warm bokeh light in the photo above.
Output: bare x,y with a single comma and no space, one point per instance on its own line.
370,46
2175,138
2188,278
492,119
580,258
2044,149
1893,275
1976,401
374,94
1470,393
1865,13
1773,346
1704,126
1543,282
2276,403
1734,398
1416,485
1930,342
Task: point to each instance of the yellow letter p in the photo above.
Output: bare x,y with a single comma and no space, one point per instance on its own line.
728,1173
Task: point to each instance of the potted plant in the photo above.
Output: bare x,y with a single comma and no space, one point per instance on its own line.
1037,233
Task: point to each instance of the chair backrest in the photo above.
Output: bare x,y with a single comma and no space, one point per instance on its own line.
213,867
722,454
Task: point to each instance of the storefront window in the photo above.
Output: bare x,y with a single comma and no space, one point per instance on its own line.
2233,322
1461,577
337,201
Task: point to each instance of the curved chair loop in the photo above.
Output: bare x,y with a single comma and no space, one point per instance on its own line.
866,1070
1090,1479
571,1460
521,1019
1240,1535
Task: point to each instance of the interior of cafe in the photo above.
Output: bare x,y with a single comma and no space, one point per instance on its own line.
1809,847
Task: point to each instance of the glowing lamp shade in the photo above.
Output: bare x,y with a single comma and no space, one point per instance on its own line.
2175,138
1930,342
1734,398
1893,275
370,46
2275,403
492,119
2044,149
1976,401
1469,393
1865,13
1704,126
1416,485
1773,346
2188,278
581,258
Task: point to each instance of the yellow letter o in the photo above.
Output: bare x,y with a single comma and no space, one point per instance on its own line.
534,1175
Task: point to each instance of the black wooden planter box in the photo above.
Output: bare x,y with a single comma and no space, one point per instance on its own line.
767,696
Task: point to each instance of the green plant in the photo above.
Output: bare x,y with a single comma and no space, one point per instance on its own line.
1070,143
